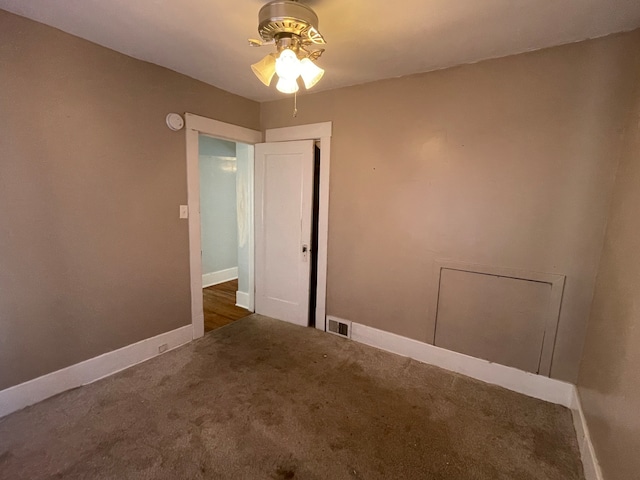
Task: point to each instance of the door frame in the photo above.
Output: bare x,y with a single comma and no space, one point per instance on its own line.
320,132
195,125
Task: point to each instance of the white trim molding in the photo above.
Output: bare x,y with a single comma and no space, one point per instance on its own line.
195,125
590,462
221,276
33,391
537,386
225,131
322,132
312,131
242,300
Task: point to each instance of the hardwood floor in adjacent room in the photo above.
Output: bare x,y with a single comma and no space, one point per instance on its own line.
219,302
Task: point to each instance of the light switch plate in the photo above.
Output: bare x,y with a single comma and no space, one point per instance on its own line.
184,211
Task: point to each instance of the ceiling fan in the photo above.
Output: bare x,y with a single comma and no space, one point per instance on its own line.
293,29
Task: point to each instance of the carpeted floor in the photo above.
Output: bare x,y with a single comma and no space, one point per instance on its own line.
262,399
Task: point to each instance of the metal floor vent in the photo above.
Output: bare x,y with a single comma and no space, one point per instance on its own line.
339,327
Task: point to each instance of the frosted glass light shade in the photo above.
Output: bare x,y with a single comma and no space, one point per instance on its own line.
265,69
310,72
287,85
288,65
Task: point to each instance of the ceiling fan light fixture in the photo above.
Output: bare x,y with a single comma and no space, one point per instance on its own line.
287,85
310,72
265,69
288,65
293,28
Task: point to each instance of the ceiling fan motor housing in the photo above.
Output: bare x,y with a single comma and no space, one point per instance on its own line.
284,18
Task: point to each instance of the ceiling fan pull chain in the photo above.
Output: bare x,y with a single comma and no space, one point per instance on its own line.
295,104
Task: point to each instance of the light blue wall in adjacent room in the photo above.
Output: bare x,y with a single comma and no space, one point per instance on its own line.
218,204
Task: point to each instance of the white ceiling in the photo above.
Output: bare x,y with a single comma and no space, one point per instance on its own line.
366,40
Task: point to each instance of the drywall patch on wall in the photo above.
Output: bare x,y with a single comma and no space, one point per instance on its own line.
501,319
503,315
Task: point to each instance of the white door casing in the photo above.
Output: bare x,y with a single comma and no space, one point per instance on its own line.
194,125
321,132
283,217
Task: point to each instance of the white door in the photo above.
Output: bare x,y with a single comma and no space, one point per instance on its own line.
283,201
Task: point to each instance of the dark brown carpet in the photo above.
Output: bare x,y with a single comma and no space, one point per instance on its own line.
262,399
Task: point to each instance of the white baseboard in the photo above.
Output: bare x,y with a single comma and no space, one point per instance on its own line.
221,276
242,299
590,462
33,391
537,386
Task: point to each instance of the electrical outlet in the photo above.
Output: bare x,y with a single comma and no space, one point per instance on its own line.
163,348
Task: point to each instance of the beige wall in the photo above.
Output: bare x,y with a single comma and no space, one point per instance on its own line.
92,253
609,382
507,163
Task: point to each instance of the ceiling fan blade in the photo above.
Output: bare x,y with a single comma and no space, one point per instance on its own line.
316,54
258,43
315,36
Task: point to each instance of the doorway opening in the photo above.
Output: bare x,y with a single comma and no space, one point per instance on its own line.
224,229
278,185
315,211
316,276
